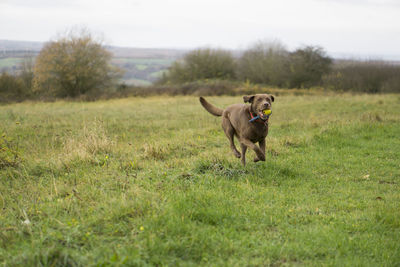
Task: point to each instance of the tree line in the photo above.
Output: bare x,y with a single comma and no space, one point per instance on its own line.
271,64
268,63
76,65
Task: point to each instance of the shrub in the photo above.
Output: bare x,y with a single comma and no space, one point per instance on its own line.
73,65
11,87
19,86
307,66
201,64
370,76
265,63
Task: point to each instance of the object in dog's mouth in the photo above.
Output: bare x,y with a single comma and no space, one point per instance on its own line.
265,113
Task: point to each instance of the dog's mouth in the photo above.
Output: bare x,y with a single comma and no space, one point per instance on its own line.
262,114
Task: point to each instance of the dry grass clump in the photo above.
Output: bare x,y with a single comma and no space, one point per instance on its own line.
93,140
155,151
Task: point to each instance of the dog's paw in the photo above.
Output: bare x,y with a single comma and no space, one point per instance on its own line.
237,154
260,157
256,159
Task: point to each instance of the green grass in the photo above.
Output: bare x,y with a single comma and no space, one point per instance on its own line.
141,66
152,181
137,82
157,74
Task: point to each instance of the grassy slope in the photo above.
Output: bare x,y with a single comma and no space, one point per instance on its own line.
152,180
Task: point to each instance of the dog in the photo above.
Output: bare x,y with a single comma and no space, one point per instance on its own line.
236,122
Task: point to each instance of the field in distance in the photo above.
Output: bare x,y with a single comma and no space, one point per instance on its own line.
152,181
141,66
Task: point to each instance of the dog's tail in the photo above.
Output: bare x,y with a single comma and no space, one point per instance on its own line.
210,108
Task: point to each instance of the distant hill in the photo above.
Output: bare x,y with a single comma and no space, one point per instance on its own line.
145,52
130,52
9,45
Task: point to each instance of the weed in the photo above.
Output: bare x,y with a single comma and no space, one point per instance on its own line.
9,152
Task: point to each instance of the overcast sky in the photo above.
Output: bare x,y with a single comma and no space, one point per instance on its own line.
358,27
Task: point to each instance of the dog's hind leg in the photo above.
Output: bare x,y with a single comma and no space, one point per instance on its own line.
230,133
243,147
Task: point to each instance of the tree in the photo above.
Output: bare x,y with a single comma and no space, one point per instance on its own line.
265,62
73,65
11,87
307,65
202,64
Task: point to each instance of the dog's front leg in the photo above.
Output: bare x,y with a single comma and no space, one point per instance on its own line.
260,154
262,147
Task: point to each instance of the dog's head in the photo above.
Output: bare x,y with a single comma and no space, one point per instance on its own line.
259,103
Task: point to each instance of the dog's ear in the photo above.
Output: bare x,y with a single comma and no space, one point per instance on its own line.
248,98
272,98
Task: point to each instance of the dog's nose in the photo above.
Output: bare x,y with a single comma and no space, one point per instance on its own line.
267,105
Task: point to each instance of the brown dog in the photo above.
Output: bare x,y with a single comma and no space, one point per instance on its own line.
236,122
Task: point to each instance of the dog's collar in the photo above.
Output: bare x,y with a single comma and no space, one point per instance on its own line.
259,120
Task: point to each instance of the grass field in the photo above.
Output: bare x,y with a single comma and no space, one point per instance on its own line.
152,181
10,62
144,61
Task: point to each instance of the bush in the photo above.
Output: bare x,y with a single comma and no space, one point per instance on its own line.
307,66
201,64
17,87
370,76
265,63
11,87
74,65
